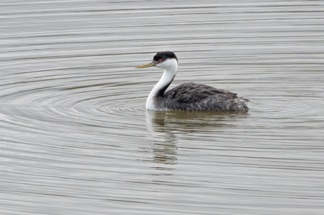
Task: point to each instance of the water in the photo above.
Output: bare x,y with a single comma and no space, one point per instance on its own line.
75,136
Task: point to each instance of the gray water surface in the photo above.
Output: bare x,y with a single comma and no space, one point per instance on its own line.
75,135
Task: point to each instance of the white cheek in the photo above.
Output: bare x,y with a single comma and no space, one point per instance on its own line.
168,64
161,65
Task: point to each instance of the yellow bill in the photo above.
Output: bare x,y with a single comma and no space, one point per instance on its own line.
146,65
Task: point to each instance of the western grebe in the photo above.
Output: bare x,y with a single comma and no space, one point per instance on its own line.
188,96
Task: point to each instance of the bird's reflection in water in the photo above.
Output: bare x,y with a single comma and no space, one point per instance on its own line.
164,141
163,128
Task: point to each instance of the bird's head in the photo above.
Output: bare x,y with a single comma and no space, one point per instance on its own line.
166,60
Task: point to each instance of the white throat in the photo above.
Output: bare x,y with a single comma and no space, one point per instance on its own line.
170,67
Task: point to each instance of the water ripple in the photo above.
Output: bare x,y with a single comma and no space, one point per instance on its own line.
75,135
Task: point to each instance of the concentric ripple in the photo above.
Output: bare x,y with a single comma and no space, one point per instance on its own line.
75,135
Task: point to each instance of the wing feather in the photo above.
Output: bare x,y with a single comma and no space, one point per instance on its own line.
192,93
191,96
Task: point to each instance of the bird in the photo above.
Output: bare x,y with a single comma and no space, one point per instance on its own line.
188,96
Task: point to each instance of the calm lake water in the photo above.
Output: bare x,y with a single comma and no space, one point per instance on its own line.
75,135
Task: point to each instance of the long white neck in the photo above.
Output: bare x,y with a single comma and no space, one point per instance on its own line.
170,70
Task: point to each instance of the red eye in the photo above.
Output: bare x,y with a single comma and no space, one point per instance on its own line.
160,60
